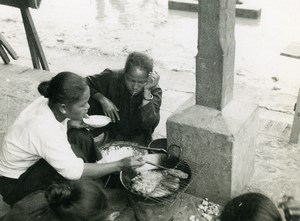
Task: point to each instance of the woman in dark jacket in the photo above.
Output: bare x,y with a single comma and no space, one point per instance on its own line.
131,97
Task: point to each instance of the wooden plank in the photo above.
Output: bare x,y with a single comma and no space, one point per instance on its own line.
8,48
13,3
3,55
242,10
21,3
296,123
292,50
33,3
247,11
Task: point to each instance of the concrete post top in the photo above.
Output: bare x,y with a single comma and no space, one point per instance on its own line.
228,121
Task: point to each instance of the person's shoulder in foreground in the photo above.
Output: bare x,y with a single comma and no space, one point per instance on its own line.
250,207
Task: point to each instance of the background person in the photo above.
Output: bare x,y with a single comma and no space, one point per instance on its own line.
131,97
36,151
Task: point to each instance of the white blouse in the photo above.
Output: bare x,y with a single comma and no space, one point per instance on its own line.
34,135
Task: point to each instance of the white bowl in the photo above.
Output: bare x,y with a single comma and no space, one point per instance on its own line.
97,120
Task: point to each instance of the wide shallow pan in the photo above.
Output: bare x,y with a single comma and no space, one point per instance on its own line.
127,176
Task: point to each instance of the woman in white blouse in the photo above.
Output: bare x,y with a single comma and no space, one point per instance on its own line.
36,151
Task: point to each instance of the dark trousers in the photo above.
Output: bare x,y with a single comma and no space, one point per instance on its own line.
40,175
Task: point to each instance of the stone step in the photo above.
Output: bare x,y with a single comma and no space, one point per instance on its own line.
292,50
242,10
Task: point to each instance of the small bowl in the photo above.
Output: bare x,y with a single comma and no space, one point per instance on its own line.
97,120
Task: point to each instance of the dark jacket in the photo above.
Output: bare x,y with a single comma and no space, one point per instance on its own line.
135,120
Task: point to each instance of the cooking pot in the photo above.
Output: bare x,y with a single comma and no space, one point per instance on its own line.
173,151
117,150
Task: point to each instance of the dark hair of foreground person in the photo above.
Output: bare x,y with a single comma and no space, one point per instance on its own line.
250,207
82,200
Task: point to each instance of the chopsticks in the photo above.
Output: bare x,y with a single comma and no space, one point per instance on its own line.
154,164
154,149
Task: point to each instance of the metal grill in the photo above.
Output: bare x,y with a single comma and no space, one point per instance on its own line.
191,168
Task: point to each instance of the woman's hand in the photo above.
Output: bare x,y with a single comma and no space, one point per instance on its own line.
110,109
132,162
153,80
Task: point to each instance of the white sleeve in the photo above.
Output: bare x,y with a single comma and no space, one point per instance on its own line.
50,141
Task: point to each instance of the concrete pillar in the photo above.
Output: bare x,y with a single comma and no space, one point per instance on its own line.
217,130
216,48
225,141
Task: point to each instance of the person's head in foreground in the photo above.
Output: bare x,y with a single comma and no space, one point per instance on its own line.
138,68
250,207
77,201
68,95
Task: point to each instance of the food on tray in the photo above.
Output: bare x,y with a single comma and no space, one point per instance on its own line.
155,183
146,181
177,173
172,179
170,184
160,191
116,152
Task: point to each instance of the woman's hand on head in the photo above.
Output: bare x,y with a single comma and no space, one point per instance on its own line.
153,80
110,109
132,162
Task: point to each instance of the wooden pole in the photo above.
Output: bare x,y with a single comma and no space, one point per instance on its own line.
8,48
36,50
296,123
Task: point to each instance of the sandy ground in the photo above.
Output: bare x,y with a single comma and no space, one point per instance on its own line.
86,38
78,35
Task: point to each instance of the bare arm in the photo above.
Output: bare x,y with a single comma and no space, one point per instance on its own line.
153,80
99,170
102,169
109,108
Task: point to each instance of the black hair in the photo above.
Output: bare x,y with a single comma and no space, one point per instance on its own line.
80,200
138,60
250,207
64,88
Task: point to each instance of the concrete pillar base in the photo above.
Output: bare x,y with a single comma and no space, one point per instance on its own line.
225,140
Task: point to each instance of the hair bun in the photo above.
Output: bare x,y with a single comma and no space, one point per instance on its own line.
43,88
58,194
